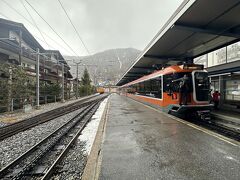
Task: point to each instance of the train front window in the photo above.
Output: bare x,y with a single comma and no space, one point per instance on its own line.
171,82
202,86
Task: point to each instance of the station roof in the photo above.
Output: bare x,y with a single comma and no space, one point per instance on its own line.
196,28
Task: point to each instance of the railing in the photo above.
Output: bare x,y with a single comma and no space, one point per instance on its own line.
19,104
14,48
27,53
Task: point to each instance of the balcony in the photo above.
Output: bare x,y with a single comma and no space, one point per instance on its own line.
13,48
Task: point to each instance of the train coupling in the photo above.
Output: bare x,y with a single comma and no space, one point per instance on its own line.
204,115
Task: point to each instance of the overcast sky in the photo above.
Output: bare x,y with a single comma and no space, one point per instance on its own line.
102,24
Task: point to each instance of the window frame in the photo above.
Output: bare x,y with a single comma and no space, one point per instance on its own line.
144,92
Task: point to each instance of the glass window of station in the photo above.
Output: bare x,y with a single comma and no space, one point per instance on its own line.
228,84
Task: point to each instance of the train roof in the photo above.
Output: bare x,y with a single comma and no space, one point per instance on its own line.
196,28
168,70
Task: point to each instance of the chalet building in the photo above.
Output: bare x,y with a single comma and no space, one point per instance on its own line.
18,46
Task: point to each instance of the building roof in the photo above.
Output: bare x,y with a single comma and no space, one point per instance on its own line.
59,56
26,35
196,28
29,39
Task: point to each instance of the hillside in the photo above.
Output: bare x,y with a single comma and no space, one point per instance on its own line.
107,66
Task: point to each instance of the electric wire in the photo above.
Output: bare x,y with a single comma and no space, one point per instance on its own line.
74,28
4,16
51,28
15,10
34,22
35,36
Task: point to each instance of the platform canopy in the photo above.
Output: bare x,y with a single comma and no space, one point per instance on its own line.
197,27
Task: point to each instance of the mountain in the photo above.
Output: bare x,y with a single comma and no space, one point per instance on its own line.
105,67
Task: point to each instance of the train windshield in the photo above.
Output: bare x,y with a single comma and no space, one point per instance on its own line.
202,86
172,81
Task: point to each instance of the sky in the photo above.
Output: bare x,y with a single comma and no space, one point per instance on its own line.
101,24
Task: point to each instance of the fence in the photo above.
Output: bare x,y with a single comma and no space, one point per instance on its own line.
20,104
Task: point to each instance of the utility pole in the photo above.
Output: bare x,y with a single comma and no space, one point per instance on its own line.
57,66
77,90
63,82
37,78
20,47
10,98
77,82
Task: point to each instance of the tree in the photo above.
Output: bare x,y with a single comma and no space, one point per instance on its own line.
86,87
50,91
86,81
15,84
4,88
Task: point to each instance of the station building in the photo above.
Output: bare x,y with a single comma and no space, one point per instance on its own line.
223,66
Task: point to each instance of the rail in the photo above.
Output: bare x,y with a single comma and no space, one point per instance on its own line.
23,125
22,166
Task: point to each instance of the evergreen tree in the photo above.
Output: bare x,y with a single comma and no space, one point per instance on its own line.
86,81
86,88
15,84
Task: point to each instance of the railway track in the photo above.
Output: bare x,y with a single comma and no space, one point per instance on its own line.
214,125
46,154
23,125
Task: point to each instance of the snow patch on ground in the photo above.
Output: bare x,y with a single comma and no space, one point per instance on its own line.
89,132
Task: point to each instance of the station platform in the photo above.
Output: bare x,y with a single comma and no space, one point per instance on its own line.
140,142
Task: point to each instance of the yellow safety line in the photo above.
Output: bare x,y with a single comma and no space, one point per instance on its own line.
223,138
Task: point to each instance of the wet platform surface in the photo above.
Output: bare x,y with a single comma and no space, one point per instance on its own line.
141,143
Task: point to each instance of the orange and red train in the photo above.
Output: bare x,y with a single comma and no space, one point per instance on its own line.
162,90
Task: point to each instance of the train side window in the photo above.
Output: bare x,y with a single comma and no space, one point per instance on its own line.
148,88
151,88
141,88
156,88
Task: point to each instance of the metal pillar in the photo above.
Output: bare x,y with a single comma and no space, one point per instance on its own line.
37,79
10,106
77,83
20,47
63,82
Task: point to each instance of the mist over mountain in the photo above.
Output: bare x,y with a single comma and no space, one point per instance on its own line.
105,67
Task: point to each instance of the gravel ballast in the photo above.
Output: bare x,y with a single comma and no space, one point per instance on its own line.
16,145
73,164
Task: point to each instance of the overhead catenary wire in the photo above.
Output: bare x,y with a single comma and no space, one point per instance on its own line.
52,28
4,16
15,10
35,36
75,29
34,23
